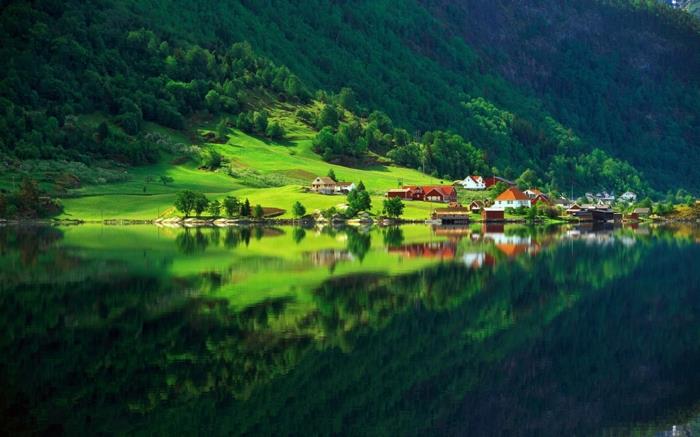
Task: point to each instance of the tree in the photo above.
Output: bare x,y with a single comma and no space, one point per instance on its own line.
231,206
347,99
275,130
528,179
328,117
358,200
361,186
331,174
532,213
245,209
258,212
165,180
215,208
184,202
200,203
222,129
298,209
260,121
393,207
212,159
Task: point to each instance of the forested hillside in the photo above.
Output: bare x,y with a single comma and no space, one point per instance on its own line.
533,85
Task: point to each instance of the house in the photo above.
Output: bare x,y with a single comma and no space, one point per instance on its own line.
541,199
473,183
323,185
437,193
642,212
628,196
493,214
563,203
512,198
533,193
604,197
326,185
493,180
344,187
573,209
452,214
476,206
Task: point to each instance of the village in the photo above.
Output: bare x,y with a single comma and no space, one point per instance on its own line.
498,200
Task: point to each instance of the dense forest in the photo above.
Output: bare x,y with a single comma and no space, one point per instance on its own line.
568,92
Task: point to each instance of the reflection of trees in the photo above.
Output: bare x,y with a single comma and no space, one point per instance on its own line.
358,243
298,234
114,345
393,236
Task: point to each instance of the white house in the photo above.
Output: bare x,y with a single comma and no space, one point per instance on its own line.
512,198
628,196
344,187
473,183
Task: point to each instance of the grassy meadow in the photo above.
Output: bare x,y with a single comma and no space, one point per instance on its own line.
269,173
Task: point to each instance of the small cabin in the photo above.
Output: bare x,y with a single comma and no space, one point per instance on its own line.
493,215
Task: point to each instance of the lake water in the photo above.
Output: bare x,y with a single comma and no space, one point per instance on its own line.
398,331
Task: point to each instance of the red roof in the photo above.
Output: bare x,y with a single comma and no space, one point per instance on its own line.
512,193
445,190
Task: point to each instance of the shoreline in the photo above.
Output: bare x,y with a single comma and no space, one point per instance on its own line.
193,222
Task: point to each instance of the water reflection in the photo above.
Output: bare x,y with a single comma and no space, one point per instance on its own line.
411,330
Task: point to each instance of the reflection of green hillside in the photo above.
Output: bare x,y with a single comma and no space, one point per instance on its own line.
130,326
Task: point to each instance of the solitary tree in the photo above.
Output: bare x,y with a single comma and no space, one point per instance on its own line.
245,209
331,174
215,208
258,212
200,203
184,202
231,205
298,209
165,180
274,130
393,207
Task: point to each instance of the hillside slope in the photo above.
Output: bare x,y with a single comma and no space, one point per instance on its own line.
535,85
621,74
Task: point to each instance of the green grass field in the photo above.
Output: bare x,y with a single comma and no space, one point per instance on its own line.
287,167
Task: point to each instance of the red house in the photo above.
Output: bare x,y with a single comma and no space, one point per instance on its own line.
493,180
493,215
437,193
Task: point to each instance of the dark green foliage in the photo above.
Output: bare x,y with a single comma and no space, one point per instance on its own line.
28,201
331,174
212,159
274,130
185,201
358,200
200,203
214,208
298,209
231,206
393,207
258,212
245,209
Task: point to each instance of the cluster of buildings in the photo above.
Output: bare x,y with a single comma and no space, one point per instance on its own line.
599,208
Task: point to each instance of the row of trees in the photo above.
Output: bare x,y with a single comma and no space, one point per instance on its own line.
189,201
27,201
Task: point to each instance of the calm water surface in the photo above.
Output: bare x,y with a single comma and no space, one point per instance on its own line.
399,331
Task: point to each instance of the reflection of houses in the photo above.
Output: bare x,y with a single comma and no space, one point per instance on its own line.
510,245
328,257
473,183
428,193
435,249
326,185
512,198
